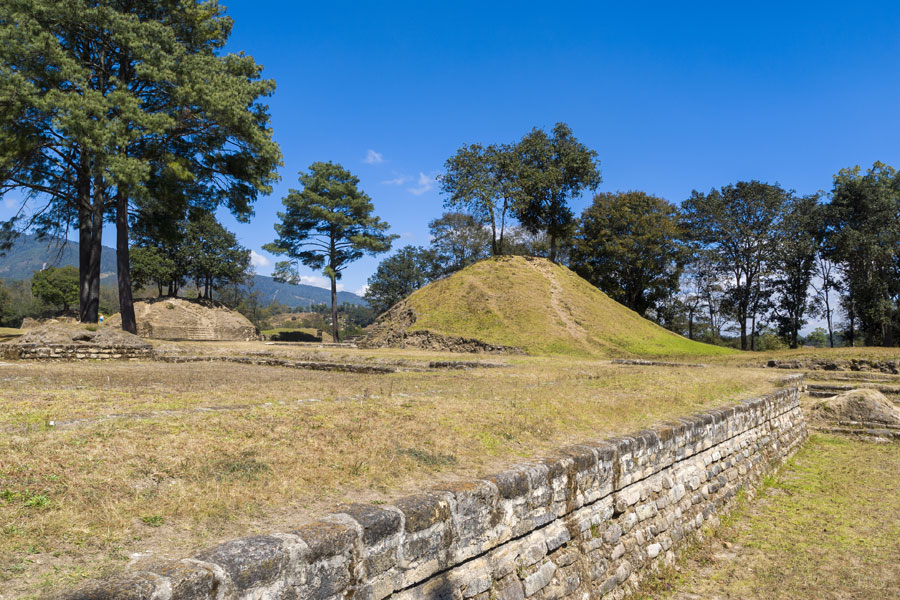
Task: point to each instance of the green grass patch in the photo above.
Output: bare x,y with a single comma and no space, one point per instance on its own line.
826,526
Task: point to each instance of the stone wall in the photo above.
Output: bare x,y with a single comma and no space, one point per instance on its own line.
588,522
73,351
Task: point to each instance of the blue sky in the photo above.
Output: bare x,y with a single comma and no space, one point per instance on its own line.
673,96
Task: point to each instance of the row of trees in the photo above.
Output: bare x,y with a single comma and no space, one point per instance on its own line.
202,251
750,257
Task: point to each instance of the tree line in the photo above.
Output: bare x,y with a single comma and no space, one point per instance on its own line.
750,258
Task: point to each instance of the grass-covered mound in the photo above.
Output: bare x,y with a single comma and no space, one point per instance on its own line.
530,304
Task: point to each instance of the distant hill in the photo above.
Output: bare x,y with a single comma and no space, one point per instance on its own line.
530,304
299,295
30,254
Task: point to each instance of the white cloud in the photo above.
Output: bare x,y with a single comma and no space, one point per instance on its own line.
407,235
258,260
373,158
424,184
398,180
317,281
10,202
362,291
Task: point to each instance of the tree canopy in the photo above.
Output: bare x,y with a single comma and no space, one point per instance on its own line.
863,234
398,276
628,244
457,241
734,226
551,170
482,180
57,286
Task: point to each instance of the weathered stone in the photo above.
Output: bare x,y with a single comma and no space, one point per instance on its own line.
326,539
539,579
511,484
423,510
250,561
377,523
129,586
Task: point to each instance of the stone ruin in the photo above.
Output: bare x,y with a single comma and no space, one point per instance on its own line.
75,341
190,320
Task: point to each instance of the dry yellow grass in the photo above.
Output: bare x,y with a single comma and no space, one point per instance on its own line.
166,458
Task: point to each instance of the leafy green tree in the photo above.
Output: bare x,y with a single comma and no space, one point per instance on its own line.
863,235
826,279
458,240
483,181
735,229
794,263
327,225
205,252
551,170
818,337
57,286
111,102
213,256
398,276
629,245
149,266
7,310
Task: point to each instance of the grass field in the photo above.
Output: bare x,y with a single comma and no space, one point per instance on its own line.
107,464
826,527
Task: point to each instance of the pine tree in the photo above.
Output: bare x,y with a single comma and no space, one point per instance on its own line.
327,225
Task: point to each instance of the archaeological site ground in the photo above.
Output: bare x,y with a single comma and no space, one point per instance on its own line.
574,451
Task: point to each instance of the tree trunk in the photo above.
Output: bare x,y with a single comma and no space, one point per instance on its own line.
84,262
888,335
123,265
795,322
852,332
334,314
552,248
502,228
743,320
92,312
690,324
494,248
84,237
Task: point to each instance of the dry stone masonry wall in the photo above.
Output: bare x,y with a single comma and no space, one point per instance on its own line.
73,352
589,522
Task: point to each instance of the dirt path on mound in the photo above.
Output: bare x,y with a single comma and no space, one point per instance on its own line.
559,306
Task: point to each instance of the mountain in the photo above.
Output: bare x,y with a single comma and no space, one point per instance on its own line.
530,304
299,295
30,254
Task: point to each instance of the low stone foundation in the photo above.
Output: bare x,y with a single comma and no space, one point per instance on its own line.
588,522
72,352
